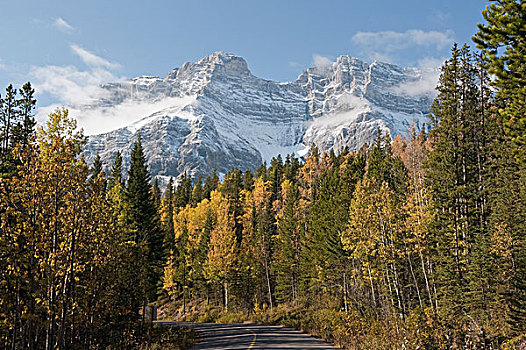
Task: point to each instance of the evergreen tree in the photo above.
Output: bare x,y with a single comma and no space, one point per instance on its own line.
328,216
167,219
211,184
144,214
383,166
501,40
457,181
275,174
288,246
231,188
156,194
8,118
248,180
183,192
116,172
16,125
96,169
197,192
291,167
25,128
261,172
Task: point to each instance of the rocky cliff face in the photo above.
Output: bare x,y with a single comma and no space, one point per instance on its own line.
215,113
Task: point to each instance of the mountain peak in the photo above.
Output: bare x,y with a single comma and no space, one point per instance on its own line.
217,64
226,63
221,56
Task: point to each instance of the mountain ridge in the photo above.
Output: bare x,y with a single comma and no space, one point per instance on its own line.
214,113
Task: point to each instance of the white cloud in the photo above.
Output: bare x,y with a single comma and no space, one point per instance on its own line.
68,84
91,59
62,25
425,86
77,89
390,41
70,87
322,64
105,119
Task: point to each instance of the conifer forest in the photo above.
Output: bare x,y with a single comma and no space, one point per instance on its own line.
416,242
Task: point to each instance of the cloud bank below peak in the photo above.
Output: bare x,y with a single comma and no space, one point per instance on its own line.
72,86
426,85
76,88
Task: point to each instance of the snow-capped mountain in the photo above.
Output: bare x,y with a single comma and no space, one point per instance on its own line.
215,113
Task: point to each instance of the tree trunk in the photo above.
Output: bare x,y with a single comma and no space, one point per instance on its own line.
267,274
345,304
372,286
225,285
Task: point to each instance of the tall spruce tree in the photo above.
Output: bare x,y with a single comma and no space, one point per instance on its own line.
156,193
97,174
197,191
8,119
167,218
288,246
502,42
25,128
383,166
211,184
183,192
145,216
116,171
96,169
275,173
328,217
248,180
231,190
455,176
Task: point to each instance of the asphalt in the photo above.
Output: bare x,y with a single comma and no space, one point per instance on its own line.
219,336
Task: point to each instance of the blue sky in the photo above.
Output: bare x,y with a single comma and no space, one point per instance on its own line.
67,47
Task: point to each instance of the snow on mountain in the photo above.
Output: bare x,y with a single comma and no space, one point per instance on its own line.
215,113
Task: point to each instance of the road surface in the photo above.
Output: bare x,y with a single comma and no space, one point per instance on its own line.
219,336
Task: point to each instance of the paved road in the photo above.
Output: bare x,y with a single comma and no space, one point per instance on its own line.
219,336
